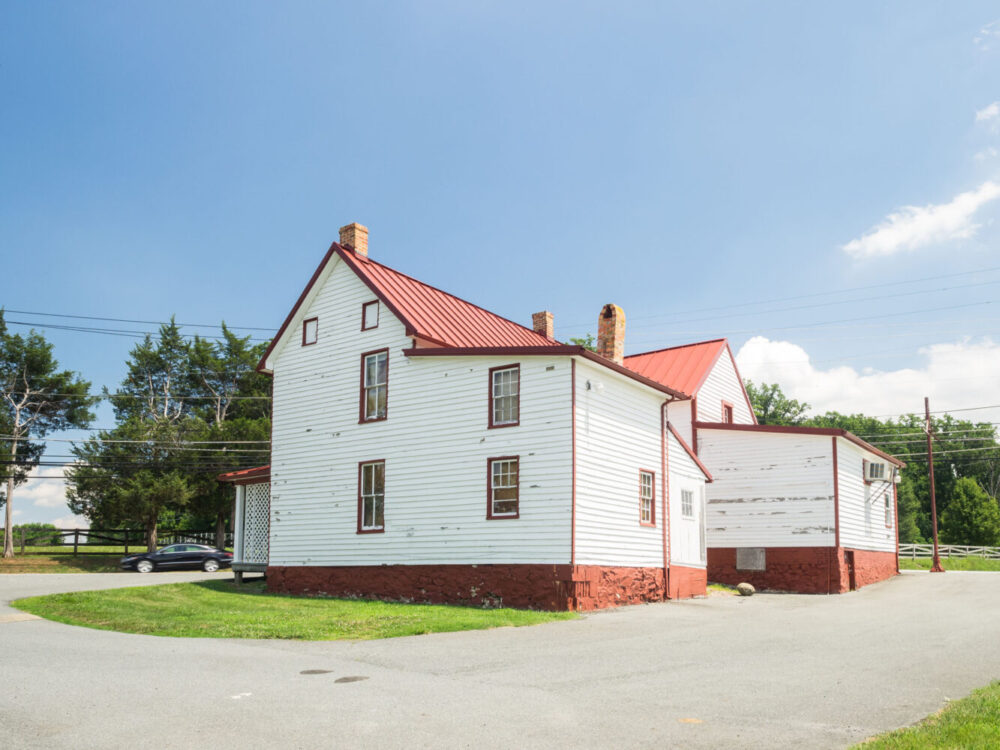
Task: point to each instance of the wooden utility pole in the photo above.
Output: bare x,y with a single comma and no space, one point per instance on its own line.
936,566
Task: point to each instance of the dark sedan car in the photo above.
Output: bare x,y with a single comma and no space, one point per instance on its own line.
177,556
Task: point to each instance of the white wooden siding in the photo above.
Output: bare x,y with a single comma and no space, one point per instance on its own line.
769,489
723,384
685,533
435,443
679,414
862,506
617,434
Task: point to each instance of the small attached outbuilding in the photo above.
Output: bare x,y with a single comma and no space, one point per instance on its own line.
804,509
251,518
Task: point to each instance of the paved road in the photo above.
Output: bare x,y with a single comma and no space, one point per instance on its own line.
768,671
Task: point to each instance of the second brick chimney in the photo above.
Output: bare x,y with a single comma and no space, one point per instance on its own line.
611,334
541,322
355,236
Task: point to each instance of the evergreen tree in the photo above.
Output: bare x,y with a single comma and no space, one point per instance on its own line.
36,398
137,471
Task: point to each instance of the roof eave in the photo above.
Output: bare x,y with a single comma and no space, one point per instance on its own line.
802,430
554,350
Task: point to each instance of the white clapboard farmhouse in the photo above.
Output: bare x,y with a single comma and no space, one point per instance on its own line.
426,449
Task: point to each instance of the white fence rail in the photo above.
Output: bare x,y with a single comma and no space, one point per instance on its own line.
913,551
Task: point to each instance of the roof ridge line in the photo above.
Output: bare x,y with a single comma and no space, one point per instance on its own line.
679,346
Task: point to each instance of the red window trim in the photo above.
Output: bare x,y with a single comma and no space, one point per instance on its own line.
306,322
361,501
361,398
652,504
489,488
364,309
727,408
492,426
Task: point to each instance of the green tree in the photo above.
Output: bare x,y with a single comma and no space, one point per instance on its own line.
234,407
972,516
138,471
772,406
587,342
36,397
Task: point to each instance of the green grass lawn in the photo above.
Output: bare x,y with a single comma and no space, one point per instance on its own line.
971,723
218,609
950,563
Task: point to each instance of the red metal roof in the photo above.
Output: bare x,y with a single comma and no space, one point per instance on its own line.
437,316
427,312
683,368
243,476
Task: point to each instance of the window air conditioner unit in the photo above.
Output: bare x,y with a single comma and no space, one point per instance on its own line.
877,471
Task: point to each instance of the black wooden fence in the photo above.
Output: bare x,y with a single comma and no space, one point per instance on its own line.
77,541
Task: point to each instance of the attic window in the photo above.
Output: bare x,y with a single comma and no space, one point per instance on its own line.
310,331
727,412
369,315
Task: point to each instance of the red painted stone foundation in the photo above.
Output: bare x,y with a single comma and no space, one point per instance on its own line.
687,582
550,587
804,570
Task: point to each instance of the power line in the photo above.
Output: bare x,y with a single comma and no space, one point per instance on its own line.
114,331
814,294
138,397
144,322
142,442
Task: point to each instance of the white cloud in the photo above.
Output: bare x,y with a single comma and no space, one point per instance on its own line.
42,492
954,375
912,227
70,522
987,36
987,153
988,113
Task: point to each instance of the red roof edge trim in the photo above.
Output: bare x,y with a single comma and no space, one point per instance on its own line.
743,387
801,430
246,476
471,351
528,351
708,370
350,258
691,453
262,366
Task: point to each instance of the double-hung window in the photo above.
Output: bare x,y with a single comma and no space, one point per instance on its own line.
687,503
647,495
503,483
371,497
888,510
374,385
505,396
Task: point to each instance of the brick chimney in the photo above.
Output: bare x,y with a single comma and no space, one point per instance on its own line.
611,334
541,322
355,236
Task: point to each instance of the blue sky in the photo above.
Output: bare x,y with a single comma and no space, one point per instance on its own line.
696,164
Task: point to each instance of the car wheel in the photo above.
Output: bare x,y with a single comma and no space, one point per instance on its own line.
210,565
144,566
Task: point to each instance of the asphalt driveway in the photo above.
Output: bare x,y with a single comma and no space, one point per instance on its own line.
768,671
